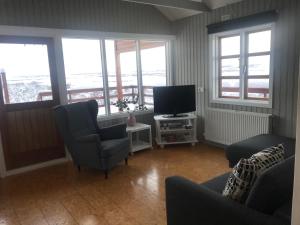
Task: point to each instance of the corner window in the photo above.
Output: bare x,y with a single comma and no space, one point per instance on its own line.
84,79
241,67
114,71
154,71
121,71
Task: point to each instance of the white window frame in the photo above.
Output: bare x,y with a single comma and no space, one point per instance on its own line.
214,66
137,38
139,71
58,34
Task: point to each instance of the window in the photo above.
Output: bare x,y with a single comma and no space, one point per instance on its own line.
242,66
154,73
229,67
111,70
258,65
121,71
25,73
83,71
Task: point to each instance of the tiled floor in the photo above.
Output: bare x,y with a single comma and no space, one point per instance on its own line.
133,194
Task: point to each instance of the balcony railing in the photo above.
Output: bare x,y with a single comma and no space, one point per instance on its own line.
78,95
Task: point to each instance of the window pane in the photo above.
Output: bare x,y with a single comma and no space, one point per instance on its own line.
260,41
25,73
258,88
259,65
230,46
153,59
122,71
230,67
230,88
82,60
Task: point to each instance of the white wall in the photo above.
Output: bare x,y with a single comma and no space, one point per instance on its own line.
296,200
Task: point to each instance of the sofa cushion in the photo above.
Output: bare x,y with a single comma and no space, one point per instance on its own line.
111,147
246,172
273,188
284,213
246,148
240,181
268,158
218,183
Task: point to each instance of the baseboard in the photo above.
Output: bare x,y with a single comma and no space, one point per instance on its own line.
34,167
215,144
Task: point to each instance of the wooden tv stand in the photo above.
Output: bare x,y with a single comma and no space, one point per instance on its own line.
176,130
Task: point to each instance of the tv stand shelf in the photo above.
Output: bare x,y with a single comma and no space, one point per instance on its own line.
176,130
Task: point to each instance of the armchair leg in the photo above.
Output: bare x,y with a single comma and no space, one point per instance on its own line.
126,161
106,174
78,168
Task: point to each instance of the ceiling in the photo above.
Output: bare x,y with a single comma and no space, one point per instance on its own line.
177,13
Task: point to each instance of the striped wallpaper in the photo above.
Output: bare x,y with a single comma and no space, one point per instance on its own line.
100,15
192,62
190,48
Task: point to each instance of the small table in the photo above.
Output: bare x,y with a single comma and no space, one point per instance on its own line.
136,144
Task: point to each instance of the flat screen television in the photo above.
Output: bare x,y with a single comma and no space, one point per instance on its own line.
174,100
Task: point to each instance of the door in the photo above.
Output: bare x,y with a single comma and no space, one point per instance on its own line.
29,91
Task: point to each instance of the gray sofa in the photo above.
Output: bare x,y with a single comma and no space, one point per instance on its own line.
89,145
269,202
250,146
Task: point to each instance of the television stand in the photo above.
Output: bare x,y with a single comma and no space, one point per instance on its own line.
176,130
175,116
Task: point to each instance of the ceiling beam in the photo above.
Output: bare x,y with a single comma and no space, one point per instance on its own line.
179,4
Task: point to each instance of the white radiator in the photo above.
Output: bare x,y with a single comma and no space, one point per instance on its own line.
228,126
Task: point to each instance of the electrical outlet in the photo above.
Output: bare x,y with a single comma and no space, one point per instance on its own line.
201,89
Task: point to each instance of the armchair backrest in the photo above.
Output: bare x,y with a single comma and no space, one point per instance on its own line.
75,120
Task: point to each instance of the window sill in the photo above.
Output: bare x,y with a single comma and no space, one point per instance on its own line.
253,103
122,115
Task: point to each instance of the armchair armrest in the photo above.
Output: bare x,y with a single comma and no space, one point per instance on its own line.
194,204
114,132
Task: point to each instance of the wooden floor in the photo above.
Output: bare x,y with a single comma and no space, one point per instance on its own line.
133,194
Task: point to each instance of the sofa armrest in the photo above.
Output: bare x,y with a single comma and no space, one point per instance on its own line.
194,204
114,132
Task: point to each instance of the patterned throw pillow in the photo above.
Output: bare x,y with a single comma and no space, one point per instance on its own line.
246,172
268,158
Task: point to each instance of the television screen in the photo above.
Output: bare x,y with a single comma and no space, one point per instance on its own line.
174,99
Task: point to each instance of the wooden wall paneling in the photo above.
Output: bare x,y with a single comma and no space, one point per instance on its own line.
27,129
54,141
56,137
43,129
21,133
35,129
9,121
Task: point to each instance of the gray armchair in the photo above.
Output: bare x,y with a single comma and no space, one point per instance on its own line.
89,145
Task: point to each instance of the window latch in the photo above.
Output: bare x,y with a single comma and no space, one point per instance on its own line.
245,70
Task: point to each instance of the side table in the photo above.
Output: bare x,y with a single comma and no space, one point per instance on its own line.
137,144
